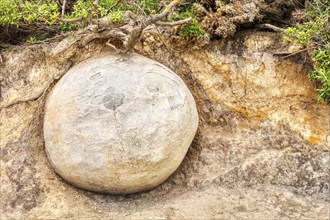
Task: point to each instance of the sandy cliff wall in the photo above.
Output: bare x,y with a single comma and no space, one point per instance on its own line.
260,150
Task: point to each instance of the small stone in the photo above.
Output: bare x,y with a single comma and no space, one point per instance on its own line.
119,125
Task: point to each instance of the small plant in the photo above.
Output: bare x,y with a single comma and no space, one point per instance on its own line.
32,40
116,17
193,29
322,71
82,9
65,26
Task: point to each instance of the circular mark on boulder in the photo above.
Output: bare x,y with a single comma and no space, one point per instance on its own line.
113,99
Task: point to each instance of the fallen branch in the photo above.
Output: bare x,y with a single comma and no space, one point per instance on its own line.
270,26
288,54
63,8
71,19
166,11
174,23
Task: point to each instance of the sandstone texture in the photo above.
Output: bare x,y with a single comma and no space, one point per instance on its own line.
119,125
260,151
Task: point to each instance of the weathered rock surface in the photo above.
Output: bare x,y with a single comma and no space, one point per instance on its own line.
119,125
260,151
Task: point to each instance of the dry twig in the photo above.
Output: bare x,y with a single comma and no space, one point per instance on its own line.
174,23
271,27
63,8
288,54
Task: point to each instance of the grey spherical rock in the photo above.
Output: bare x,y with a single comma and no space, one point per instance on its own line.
119,125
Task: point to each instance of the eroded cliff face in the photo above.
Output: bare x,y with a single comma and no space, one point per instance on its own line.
260,150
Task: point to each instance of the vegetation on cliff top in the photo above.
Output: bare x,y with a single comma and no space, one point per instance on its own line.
191,21
21,19
314,33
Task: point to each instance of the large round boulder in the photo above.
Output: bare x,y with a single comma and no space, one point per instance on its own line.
118,124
